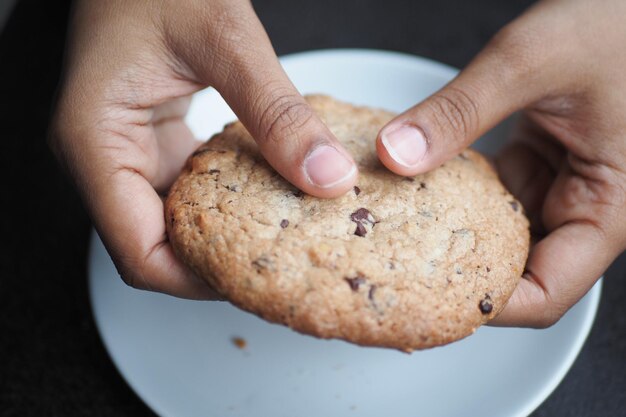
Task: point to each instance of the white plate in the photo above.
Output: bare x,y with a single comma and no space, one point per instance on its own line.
179,357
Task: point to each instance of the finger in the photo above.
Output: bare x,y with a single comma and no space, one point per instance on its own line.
527,167
175,139
290,135
561,269
528,178
176,143
513,71
128,215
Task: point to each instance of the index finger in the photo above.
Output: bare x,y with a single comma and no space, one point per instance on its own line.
128,214
560,270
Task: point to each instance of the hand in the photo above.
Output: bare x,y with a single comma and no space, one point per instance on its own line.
562,63
118,127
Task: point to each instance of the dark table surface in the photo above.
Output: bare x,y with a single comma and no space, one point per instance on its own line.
52,361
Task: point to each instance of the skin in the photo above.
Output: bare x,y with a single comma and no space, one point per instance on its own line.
131,67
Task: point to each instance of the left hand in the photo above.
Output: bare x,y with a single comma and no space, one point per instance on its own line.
562,64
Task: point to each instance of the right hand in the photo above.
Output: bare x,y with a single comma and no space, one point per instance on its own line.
562,64
118,128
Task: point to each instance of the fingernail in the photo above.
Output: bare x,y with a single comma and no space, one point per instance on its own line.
406,145
325,167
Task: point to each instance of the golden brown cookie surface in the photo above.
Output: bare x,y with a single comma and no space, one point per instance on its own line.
407,263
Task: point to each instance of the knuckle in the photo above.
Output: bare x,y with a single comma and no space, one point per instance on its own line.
283,117
456,112
217,39
129,280
546,321
130,273
540,308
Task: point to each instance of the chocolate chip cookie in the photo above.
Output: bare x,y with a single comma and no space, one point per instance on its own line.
400,262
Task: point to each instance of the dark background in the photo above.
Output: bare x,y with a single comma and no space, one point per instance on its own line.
52,361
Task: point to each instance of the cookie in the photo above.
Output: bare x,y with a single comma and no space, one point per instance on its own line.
400,262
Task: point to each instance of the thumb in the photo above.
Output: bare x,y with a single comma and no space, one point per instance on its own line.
506,76
291,137
241,64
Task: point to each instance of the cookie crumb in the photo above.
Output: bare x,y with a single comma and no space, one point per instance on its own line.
239,342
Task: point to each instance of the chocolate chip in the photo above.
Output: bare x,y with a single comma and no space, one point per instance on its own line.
362,215
514,205
485,305
214,171
409,179
297,193
371,292
355,282
488,269
284,223
357,190
422,185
